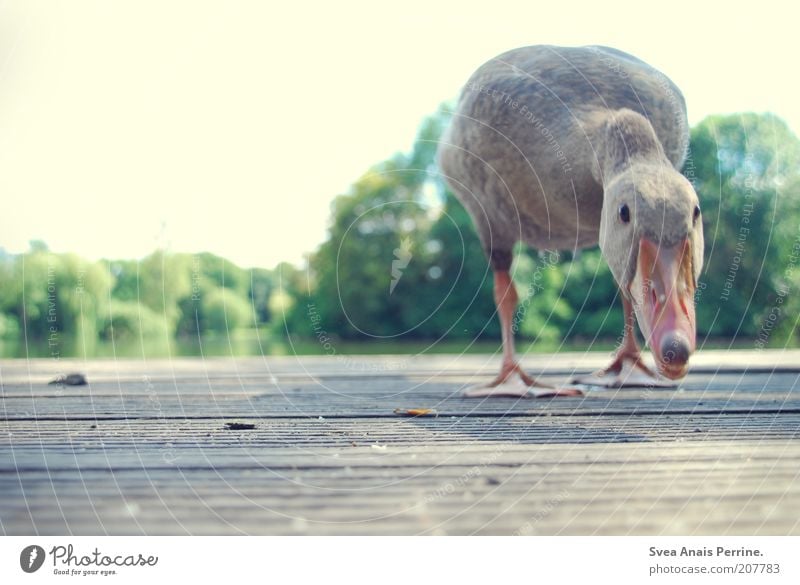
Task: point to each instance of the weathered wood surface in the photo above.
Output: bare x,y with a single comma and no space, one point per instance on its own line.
144,449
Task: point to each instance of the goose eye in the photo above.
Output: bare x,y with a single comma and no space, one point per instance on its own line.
696,213
625,213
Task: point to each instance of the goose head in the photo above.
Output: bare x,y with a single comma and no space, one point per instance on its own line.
651,235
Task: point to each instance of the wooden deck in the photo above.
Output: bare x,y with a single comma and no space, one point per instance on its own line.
146,449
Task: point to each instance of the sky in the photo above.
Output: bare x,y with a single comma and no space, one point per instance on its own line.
230,126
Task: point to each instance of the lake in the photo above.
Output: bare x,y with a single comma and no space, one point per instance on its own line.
251,342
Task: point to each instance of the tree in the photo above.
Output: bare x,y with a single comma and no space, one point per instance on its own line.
746,169
126,321
164,281
57,297
260,288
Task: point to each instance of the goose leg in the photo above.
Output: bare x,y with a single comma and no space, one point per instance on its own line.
627,369
512,380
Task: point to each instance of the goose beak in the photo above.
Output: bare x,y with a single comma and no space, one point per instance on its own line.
662,292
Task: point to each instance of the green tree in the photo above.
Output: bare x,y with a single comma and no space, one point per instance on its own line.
260,287
223,296
224,311
57,297
164,281
459,285
129,320
745,168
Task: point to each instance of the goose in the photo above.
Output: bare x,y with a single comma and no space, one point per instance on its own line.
568,148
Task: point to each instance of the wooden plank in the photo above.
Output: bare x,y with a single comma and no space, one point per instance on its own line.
41,370
342,432
663,488
242,456
144,449
376,386
380,396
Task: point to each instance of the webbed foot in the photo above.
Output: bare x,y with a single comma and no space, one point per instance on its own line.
512,382
627,370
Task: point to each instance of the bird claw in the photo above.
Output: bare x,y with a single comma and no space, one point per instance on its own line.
625,372
517,384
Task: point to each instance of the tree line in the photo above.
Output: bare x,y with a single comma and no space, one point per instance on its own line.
402,261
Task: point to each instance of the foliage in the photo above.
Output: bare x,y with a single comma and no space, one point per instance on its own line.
402,261
127,320
51,294
746,169
224,311
58,299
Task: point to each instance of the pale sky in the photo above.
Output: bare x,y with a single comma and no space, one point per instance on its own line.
229,126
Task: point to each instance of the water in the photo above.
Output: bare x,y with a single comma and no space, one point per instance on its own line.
254,343
257,343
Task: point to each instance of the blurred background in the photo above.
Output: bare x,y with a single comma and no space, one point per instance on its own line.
209,178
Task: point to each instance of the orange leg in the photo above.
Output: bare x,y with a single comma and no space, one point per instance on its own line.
512,380
627,367
629,349
506,300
